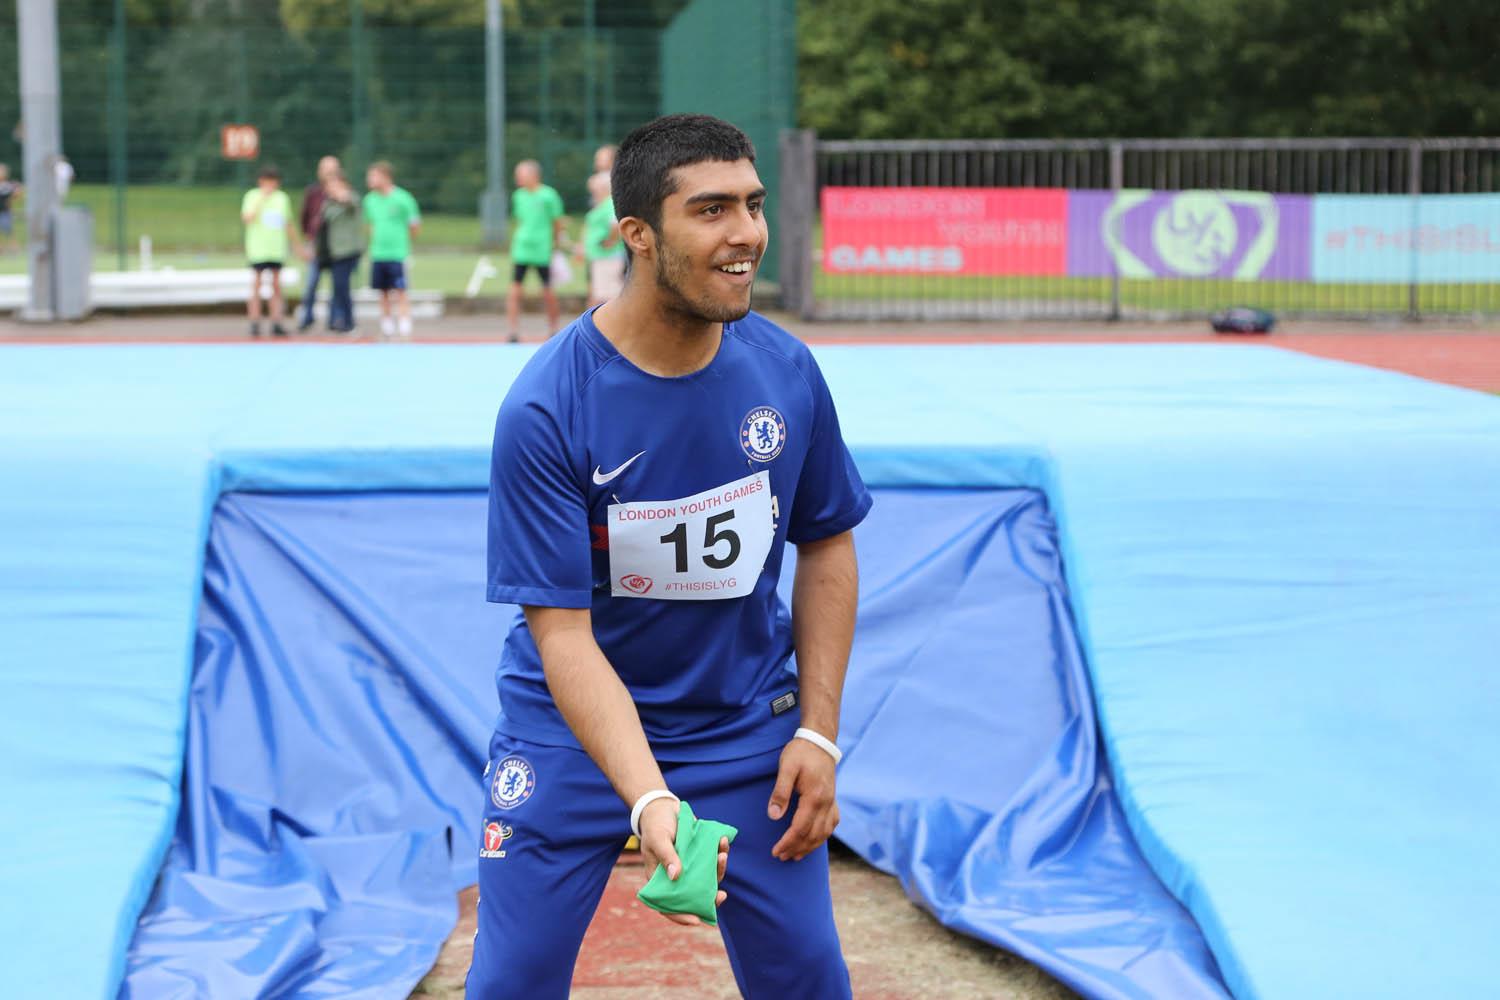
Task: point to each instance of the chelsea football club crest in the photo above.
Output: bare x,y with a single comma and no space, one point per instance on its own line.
513,784
762,433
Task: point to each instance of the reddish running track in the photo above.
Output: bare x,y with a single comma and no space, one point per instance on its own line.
1468,357
1471,360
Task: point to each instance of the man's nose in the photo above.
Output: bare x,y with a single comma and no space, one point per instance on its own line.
746,229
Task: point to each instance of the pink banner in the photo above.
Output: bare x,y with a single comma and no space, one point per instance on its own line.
945,230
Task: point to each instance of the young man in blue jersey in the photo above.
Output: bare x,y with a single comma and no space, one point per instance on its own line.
650,464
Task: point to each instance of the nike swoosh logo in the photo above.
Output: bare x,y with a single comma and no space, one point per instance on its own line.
600,478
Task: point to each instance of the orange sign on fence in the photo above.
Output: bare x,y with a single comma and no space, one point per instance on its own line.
239,142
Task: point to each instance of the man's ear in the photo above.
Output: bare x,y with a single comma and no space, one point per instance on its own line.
637,236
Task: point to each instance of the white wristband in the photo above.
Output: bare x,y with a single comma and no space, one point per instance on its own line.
644,801
819,740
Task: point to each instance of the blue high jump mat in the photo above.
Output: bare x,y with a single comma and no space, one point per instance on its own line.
1173,671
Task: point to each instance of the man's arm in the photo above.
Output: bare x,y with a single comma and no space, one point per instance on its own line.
305,216
593,701
248,213
294,236
414,217
599,710
825,593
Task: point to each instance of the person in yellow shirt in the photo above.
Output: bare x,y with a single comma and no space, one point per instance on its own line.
270,233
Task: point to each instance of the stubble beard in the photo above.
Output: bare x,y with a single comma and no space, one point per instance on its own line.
673,271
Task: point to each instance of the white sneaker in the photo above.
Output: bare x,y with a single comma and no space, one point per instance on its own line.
387,327
404,328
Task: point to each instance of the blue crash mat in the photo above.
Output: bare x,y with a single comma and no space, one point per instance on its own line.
1283,572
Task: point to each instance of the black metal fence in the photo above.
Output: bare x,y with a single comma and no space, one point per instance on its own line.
1139,228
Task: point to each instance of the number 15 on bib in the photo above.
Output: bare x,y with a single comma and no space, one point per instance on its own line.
710,546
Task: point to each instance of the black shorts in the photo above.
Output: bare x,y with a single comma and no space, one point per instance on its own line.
543,271
387,275
265,265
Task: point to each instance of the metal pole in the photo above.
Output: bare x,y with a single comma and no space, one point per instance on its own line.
590,116
1414,187
545,110
42,143
118,162
492,207
780,109
241,88
358,85
796,215
609,87
1116,183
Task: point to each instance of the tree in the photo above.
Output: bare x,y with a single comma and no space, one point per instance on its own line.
1355,67
953,68
1078,68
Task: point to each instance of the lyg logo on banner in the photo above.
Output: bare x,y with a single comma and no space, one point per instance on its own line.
1239,235
945,230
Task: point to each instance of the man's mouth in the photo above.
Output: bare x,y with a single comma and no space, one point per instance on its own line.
738,267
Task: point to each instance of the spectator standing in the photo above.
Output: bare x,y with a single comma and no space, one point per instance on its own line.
602,249
266,212
340,241
10,192
604,160
536,215
311,219
394,219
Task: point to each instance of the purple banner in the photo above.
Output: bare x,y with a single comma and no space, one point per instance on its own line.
1241,235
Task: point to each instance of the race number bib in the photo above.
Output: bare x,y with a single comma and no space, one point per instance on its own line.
272,219
705,547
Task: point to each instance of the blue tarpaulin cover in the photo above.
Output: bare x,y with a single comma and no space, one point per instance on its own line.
1283,573
340,712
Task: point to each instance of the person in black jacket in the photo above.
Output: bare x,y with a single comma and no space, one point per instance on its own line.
311,220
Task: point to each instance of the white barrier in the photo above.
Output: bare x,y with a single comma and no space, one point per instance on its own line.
218,286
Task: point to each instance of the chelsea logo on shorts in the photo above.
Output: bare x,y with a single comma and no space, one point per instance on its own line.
513,784
762,433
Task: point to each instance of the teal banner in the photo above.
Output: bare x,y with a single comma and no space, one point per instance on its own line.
1424,239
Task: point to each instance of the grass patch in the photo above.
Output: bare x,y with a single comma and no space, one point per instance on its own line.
194,227
199,227
207,219
1165,294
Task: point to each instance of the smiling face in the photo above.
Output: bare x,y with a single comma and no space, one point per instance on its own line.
711,239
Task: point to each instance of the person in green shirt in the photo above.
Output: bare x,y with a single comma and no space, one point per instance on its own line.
394,218
601,248
270,234
536,215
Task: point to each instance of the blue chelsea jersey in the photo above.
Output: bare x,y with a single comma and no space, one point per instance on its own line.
664,505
